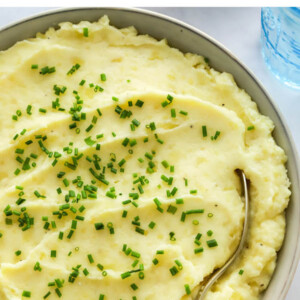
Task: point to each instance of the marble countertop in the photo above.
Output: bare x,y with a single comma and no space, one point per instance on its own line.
238,29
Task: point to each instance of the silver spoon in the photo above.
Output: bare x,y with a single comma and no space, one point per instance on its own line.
219,272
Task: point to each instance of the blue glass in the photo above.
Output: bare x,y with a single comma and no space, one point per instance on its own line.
280,38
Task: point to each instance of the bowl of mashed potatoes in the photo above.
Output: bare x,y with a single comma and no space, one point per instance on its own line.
121,130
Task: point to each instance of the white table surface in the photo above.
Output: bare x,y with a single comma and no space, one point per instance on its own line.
238,29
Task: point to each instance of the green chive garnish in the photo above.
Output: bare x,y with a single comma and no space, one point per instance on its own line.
85,32
198,250
212,243
187,289
90,258
204,131
26,294
103,77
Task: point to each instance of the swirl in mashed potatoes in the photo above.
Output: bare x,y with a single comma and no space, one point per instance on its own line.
117,160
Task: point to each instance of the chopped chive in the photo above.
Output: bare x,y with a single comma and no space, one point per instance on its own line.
135,254
165,103
241,271
198,250
187,289
212,243
19,151
141,275
148,155
134,286
53,253
183,215
60,235
172,209
74,224
89,141
122,162
135,122
66,182
170,98
99,226
90,258
70,234
183,113
71,71
179,264
139,103
165,164
126,202
81,208
125,142
173,271
132,142
47,295
194,211
204,131
135,263
216,135
73,125
125,275
173,113
198,236
28,109
82,82
251,127
85,32
89,128
209,233
152,126
151,225
140,230
85,272
103,77
179,201
26,294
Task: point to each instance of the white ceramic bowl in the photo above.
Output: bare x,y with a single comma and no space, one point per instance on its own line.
189,39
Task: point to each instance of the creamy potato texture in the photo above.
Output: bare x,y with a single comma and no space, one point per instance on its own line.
117,171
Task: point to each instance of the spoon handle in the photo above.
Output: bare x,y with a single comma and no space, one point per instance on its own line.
203,290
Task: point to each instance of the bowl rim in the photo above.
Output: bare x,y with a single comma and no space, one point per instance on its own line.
211,40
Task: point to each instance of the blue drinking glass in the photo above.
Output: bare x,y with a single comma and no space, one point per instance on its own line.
280,38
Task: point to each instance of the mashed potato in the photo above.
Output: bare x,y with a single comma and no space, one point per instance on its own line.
117,160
